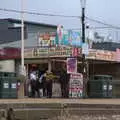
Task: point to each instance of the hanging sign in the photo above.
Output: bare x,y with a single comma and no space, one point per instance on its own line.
71,65
76,85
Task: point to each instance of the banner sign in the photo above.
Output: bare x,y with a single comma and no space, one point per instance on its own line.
59,51
45,52
46,39
76,85
36,53
71,65
75,38
62,51
117,56
60,37
101,55
68,37
105,55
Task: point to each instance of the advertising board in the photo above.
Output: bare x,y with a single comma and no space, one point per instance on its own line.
101,55
76,85
71,65
46,39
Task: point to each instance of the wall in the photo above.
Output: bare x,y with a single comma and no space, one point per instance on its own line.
105,68
7,66
108,69
32,33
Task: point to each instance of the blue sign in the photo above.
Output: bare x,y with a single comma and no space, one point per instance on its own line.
70,38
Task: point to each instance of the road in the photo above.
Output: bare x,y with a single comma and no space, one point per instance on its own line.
63,109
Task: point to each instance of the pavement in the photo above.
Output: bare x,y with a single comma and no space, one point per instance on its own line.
61,101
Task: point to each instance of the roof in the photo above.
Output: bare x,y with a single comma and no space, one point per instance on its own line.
30,22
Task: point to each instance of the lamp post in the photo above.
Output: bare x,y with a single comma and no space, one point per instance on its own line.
83,3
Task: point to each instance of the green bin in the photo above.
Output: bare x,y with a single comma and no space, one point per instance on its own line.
13,87
8,87
100,86
4,87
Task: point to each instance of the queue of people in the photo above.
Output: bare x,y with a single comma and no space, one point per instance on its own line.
42,84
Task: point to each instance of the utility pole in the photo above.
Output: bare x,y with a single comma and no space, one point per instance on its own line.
83,2
22,38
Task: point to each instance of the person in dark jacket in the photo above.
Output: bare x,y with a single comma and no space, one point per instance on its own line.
64,81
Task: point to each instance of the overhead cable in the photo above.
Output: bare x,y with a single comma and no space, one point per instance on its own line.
35,13
58,15
103,23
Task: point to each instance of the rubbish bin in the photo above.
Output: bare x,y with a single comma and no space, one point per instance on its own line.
13,87
8,87
100,87
4,87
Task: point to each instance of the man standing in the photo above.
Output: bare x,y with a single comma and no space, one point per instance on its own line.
33,79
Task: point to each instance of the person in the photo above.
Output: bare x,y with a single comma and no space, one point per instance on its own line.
64,81
49,77
33,79
43,81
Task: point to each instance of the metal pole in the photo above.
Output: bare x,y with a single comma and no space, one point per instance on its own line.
83,55
22,37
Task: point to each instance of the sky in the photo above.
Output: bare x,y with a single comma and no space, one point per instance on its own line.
103,10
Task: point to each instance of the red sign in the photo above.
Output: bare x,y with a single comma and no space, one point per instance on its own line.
10,53
117,57
76,52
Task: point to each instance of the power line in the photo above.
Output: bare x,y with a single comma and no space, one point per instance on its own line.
103,23
35,13
93,28
67,16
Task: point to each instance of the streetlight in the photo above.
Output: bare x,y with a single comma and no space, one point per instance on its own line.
83,3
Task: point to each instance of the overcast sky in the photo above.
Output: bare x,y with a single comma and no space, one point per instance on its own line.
103,10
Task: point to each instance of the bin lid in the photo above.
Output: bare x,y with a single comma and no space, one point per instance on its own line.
100,77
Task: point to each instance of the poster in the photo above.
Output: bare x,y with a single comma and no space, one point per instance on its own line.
76,85
71,65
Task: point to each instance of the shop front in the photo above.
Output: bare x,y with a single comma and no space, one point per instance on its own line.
105,63
52,59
